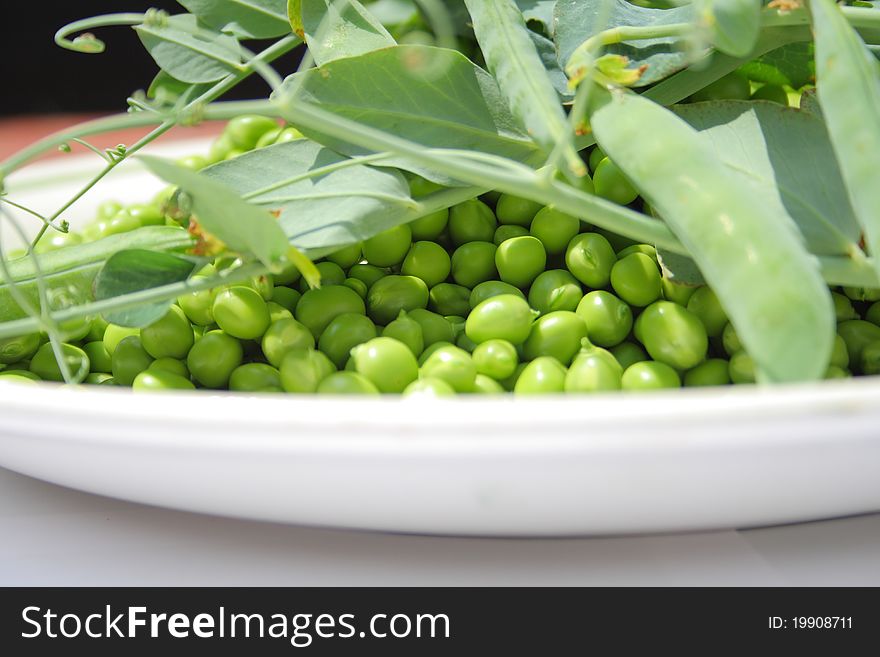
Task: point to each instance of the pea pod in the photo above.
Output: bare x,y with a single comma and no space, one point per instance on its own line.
755,261
514,61
849,93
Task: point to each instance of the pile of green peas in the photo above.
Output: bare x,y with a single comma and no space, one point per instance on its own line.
496,294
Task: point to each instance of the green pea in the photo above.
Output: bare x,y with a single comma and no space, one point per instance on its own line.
17,349
516,210
368,274
508,231
593,372
285,297
343,334
834,372
628,353
649,375
489,289
557,334
485,385
555,229
198,306
712,372
123,222
245,131
114,334
98,379
108,209
428,261
150,380
839,353
288,134
302,369
99,359
318,307
471,221
645,249
730,340
429,387
589,257
673,335
331,274
505,317
387,363
870,294
458,324
54,241
609,320
283,336
389,247
872,314
474,263
219,149
97,327
705,305
408,331
636,280
171,336
452,365
213,358
464,342
357,285
843,308
74,330
253,377
268,138
277,313
241,312
288,275
773,93
676,292
519,260
172,365
870,361
128,360
610,183
544,375
596,156
431,226
435,328
394,293
495,358
858,334
45,365
449,299
733,86
346,383
346,256
19,378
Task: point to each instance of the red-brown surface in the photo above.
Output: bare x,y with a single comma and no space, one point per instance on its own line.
18,132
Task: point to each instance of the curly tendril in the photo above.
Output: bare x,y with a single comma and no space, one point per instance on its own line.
90,44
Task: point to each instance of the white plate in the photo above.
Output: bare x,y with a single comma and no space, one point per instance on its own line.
682,460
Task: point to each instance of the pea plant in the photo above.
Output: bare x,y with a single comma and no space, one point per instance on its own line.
766,203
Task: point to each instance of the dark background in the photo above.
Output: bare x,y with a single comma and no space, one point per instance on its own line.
40,77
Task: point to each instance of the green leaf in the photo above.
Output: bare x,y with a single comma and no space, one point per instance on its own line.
245,19
547,52
181,49
679,268
334,29
322,198
134,270
578,20
755,261
166,90
849,93
221,213
432,96
68,273
514,61
733,26
787,157
792,65
540,11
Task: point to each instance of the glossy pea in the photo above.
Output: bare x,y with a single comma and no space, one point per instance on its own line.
156,380
452,365
318,307
474,263
649,375
357,285
610,183
636,280
730,340
253,377
277,313
676,292
843,308
429,387
172,365
97,379
389,247
387,363
346,256
773,93
408,331
213,358
645,249
241,312
608,319
330,272
19,348
485,385
428,261
628,353
544,375
596,156
471,221
343,334
705,305
114,334
283,336
394,293
45,365
508,231
464,342
368,274
557,334
489,289
449,299
431,226
128,360
495,358
555,229
245,131
99,359
519,260
435,328
858,334
590,258
712,372
198,306
673,335
505,317
741,368
512,209
302,369
286,297
170,336
593,372
346,383
288,275
97,327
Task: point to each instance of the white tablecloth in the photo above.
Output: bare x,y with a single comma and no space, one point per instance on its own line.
55,536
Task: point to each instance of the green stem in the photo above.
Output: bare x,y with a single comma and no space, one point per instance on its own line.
34,213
